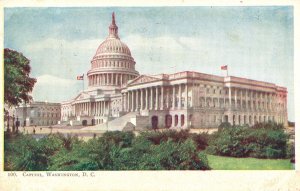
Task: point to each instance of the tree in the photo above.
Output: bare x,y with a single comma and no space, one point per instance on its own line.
17,83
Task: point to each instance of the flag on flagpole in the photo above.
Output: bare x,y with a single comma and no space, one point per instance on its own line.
224,67
80,77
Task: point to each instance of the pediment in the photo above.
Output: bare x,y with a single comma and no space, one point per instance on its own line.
143,79
81,96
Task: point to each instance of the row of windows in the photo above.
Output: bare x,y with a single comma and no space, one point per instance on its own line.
49,109
238,93
258,105
43,122
218,90
48,114
118,49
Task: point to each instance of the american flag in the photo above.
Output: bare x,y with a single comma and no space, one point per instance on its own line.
80,77
224,67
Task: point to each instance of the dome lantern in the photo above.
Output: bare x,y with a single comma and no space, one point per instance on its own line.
113,28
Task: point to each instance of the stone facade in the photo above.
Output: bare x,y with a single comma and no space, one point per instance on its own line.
181,100
38,113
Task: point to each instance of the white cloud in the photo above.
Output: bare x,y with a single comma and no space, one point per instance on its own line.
59,57
55,89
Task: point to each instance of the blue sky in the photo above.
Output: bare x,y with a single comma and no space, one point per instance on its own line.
255,42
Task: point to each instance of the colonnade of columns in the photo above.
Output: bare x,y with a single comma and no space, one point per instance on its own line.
99,108
156,98
109,79
256,100
243,99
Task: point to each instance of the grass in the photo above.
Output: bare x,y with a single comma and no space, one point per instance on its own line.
231,163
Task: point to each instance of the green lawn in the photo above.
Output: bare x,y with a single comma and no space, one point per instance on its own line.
231,163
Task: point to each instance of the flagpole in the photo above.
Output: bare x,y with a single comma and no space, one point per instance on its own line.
82,82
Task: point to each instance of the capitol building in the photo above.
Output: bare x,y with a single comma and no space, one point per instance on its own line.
118,97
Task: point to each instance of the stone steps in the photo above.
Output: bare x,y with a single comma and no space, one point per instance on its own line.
116,124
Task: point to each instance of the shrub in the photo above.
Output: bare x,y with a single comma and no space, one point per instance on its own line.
170,155
224,125
263,140
77,158
28,154
291,150
113,151
124,139
201,140
229,142
155,137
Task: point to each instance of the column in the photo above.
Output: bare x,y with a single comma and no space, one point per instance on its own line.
156,98
142,99
147,99
96,109
174,101
247,99
122,102
162,98
192,95
104,108
205,95
111,79
128,101
186,96
173,121
241,99
229,96
121,79
167,99
235,98
151,98
82,108
224,99
251,100
179,93
136,100
179,121
132,100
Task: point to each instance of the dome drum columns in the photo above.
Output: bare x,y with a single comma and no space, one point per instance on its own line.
109,79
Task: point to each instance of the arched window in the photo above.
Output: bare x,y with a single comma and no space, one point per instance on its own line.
168,121
154,122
